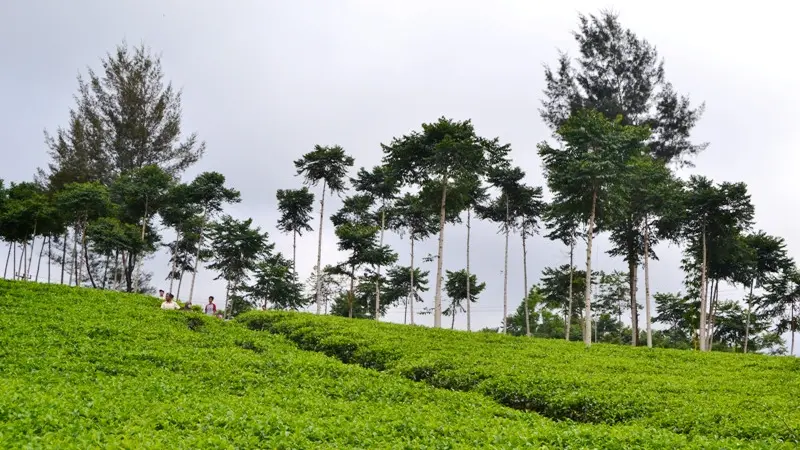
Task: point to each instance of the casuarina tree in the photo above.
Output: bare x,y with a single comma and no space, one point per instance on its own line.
582,175
456,287
328,165
295,206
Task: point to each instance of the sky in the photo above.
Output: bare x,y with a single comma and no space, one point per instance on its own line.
265,81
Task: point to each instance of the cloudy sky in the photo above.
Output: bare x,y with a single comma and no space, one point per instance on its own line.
264,81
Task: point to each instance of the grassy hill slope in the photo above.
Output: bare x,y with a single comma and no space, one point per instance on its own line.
750,397
91,369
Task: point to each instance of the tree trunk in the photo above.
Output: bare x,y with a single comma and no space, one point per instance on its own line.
469,229
39,262
318,294
703,294
632,285
378,280
351,294
49,256
14,262
712,313
227,297
294,253
437,301
505,274
30,257
105,271
85,249
8,259
197,255
20,273
174,259
64,254
453,319
525,281
749,311
115,273
75,265
647,283
413,286
568,319
587,329
794,328
141,257
180,281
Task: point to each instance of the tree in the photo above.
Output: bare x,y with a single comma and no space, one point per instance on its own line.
783,299
681,316
383,187
617,73
612,297
456,288
501,210
404,286
712,219
564,225
328,165
295,206
236,247
412,216
275,283
557,286
331,282
582,175
444,154
529,209
126,118
208,191
649,191
81,203
141,193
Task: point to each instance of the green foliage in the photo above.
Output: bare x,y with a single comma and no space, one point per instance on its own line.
295,206
326,164
275,284
698,395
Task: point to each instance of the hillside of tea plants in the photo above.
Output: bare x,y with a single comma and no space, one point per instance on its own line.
86,368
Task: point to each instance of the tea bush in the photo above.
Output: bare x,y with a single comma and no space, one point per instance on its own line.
748,397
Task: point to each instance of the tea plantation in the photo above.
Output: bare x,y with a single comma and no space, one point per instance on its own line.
84,369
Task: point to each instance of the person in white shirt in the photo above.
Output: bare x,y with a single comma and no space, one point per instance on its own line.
168,303
210,308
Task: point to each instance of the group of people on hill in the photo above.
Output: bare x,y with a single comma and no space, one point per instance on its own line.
169,303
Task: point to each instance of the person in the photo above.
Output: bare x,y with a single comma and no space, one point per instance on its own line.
161,294
210,308
168,303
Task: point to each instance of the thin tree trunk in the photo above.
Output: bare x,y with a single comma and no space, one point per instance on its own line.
30,258
703,295
318,294
405,312
749,311
74,268
568,319
115,273
105,271
505,274
14,263
437,301
39,262
174,259
587,329
351,294
22,259
124,269
294,253
712,313
64,253
85,249
8,259
138,274
413,286
794,329
49,256
632,275
197,255
180,281
525,281
378,280
647,283
453,319
469,297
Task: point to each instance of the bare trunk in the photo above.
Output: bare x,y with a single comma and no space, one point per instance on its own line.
49,256
115,274
568,319
378,280
469,297
712,313
647,283
23,252
105,271
413,286
14,262
39,262
197,255
85,249
505,275
453,319
525,281
64,254
703,294
587,328
632,275
318,294
749,311
437,302
74,268
794,329
174,259
8,259
180,281
141,257
294,253
351,293
30,257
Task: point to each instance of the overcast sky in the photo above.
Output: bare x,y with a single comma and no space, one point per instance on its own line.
264,81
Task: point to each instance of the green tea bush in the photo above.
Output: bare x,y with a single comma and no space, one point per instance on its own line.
748,397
